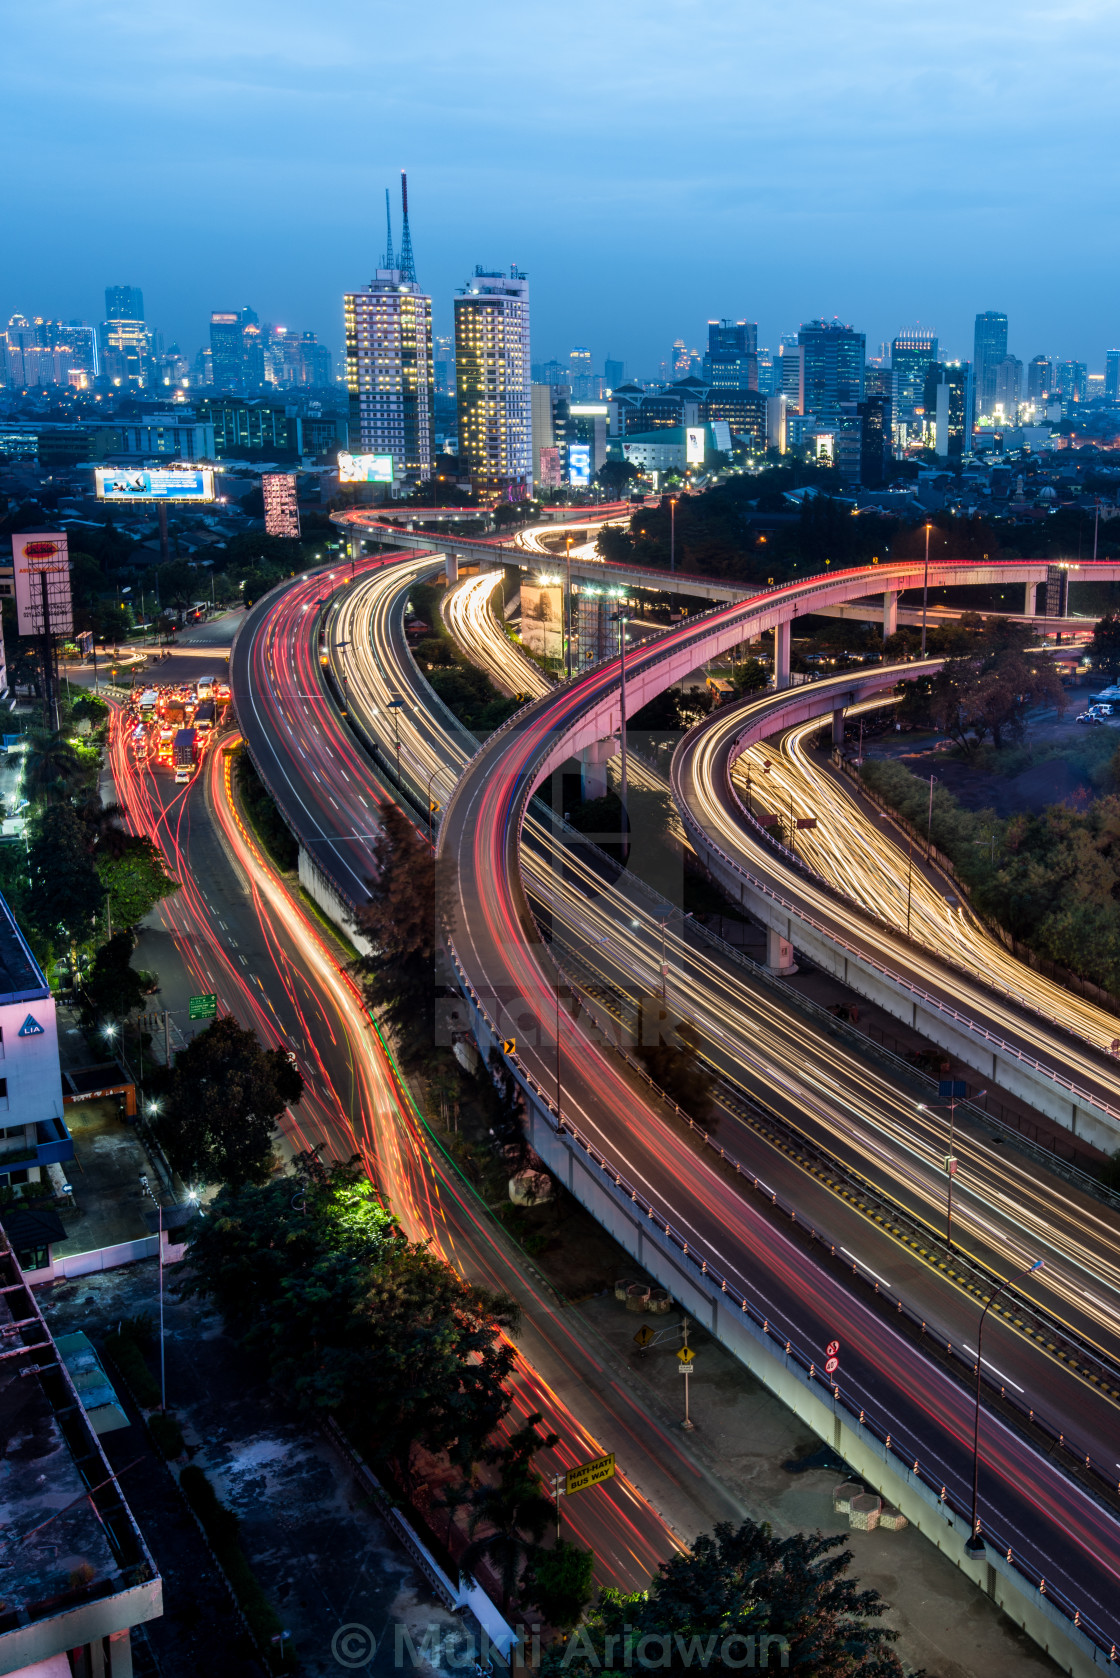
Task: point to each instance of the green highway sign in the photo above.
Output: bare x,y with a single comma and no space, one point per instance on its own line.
204,1007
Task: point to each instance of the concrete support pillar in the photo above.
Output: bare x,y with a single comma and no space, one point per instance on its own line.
781,655
1030,601
355,543
120,1654
779,954
593,762
451,566
838,726
890,614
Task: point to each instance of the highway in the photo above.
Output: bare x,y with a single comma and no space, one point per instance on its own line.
647,1149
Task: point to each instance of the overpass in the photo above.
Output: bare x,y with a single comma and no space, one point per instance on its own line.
887,581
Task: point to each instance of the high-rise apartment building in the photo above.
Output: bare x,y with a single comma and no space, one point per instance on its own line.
125,340
492,382
732,358
1009,385
390,371
790,380
911,355
948,402
1072,381
989,350
36,353
237,350
1040,377
1112,376
833,357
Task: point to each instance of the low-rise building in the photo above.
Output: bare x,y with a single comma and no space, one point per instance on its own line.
33,1133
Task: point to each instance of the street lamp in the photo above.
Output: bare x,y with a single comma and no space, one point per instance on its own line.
925,592
975,1544
957,1090
397,706
621,619
158,1204
568,607
431,808
672,533
883,816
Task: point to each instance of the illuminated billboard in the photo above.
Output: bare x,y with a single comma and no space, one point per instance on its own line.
281,509
41,564
579,465
365,468
694,445
164,483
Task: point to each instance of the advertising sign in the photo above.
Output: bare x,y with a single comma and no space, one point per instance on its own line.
165,483
694,445
579,465
365,468
39,555
281,510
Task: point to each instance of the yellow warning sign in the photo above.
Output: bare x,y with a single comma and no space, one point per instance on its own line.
686,1355
589,1474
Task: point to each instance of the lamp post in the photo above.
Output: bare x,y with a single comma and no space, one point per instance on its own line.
621,620
158,1204
929,820
397,706
568,607
431,809
883,816
975,1544
672,533
925,592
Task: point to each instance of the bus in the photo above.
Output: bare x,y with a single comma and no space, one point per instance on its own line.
205,687
204,716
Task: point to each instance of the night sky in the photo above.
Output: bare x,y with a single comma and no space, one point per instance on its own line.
649,166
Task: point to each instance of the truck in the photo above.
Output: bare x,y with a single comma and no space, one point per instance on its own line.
186,754
204,716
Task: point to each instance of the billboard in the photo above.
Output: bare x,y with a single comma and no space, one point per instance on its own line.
40,557
694,445
365,468
579,465
281,509
165,483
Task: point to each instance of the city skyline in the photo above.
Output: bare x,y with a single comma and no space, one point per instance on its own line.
906,225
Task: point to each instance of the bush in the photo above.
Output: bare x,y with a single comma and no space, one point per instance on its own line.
260,807
167,1434
122,1351
222,1528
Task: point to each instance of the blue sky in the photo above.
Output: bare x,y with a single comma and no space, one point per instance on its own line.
649,166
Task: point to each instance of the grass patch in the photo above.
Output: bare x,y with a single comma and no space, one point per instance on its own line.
262,814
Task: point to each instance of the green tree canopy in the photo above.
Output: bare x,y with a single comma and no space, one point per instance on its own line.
400,922
134,878
738,1584
1106,645
509,1515
223,1098
559,1581
65,895
52,770
113,986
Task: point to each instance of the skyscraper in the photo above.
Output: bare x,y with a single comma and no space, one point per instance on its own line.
989,349
948,404
1112,376
833,355
492,382
614,372
1072,380
732,358
390,372
911,354
1040,377
125,340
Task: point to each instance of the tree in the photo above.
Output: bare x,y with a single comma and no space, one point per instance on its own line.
514,1509
225,1095
1105,646
65,895
738,1585
132,873
617,475
751,676
400,922
991,693
113,986
52,770
559,1582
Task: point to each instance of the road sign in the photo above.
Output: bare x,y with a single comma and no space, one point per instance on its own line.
204,1007
952,1089
832,1350
509,1045
644,1335
685,1356
831,1365
589,1474
951,1164
806,821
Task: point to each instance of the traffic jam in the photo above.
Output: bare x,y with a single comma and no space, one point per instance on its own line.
171,727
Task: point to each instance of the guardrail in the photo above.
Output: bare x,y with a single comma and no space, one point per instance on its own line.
806,1368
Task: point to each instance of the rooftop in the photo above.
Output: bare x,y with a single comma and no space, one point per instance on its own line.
21,979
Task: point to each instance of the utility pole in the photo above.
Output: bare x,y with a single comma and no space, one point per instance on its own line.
975,1544
568,607
146,1186
672,533
925,592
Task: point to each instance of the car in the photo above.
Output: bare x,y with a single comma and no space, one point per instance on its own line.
1088,717
1102,710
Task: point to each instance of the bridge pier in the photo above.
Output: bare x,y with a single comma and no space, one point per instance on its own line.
838,726
451,566
593,762
890,614
781,654
779,954
1030,606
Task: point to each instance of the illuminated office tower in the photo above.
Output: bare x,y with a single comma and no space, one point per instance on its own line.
389,365
492,383
125,341
989,351
912,353
1112,376
1040,376
833,357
